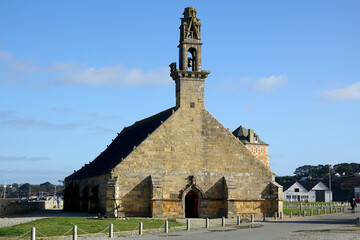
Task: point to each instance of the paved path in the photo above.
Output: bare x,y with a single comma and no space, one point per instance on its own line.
339,226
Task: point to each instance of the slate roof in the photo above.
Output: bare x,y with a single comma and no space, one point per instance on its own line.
242,134
307,185
286,185
121,146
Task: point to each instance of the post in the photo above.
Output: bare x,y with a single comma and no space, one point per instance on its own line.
290,214
252,218
74,232
223,222
188,224
304,213
357,221
299,213
311,212
330,187
207,223
166,226
281,215
275,215
33,233
111,230
140,228
264,217
238,220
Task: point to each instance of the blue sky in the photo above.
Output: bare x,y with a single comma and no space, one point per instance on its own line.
74,73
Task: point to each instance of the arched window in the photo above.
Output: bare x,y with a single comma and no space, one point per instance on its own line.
192,59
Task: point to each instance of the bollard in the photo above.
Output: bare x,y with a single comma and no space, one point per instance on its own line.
304,213
290,214
74,232
33,233
281,215
188,224
301,207
357,221
223,222
166,226
318,211
264,217
311,212
299,213
252,218
238,220
207,223
140,228
275,215
111,230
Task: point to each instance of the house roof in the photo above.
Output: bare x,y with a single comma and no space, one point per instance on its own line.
308,185
287,185
243,135
121,146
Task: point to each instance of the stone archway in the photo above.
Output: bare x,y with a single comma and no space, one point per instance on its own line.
192,197
191,205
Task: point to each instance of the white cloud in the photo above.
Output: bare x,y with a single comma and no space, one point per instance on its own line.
351,92
269,84
116,75
9,119
17,71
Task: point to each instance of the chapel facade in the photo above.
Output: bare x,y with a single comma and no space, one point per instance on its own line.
179,163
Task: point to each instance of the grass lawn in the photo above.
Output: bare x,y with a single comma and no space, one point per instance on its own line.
60,225
306,204
295,211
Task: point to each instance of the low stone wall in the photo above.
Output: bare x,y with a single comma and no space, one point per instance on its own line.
9,207
52,204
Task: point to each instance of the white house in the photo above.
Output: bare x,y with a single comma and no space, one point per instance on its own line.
306,192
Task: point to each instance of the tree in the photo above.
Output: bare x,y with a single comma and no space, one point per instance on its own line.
46,187
25,187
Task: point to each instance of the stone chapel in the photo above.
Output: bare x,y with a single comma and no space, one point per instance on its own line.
181,162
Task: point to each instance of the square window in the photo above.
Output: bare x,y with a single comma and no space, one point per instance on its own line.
296,190
192,105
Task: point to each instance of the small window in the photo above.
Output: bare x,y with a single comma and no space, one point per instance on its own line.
296,190
192,105
255,149
261,150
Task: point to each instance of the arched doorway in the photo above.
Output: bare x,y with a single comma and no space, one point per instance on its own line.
191,205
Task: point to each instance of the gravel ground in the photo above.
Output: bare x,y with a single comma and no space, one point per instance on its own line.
18,219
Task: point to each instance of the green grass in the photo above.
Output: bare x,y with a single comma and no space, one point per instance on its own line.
58,226
306,204
295,211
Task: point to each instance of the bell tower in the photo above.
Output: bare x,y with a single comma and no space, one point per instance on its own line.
189,78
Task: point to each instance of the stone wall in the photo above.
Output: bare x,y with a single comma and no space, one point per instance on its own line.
192,151
10,207
88,195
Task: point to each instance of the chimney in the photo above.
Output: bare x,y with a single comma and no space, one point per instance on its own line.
251,135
